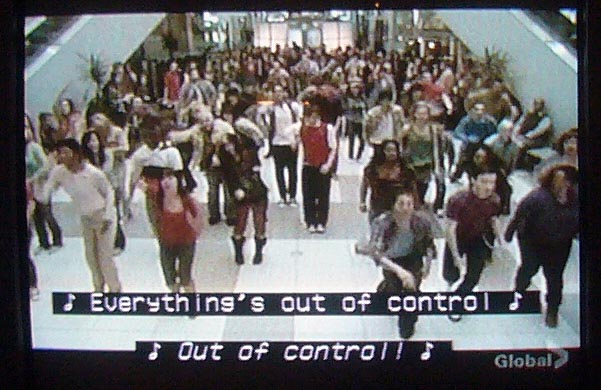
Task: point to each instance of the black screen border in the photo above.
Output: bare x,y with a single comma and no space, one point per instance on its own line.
27,368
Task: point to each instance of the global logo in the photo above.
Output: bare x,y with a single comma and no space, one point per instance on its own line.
531,360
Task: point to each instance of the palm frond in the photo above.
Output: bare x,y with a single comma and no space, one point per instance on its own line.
96,68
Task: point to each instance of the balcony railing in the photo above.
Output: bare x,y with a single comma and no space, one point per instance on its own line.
41,32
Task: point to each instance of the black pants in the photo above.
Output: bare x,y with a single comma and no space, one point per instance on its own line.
285,158
185,255
119,234
42,216
393,285
355,131
33,275
422,188
477,253
504,191
316,196
553,259
185,150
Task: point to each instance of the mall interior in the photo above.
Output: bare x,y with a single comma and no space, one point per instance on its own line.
534,52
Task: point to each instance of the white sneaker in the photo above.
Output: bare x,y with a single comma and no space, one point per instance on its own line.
293,203
281,203
311,229
320,229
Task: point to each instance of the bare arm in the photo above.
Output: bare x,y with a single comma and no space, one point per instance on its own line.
497,227
333,145
193,217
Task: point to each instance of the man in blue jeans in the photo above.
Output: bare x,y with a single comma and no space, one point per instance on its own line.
473,129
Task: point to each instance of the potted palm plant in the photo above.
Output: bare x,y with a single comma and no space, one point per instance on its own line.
96,71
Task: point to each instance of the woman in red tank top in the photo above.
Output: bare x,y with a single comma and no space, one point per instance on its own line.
319,152
179,226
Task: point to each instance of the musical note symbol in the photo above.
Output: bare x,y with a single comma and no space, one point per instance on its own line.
154,354
426,355
513,306
69,305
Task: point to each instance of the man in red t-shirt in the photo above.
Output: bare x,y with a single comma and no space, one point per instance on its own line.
471,231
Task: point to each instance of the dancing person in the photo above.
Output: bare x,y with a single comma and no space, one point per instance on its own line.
384,121
402,242
384,176
94,152
94,198
241,168
150,160
567,149
179,226
424,144
472,227
319,151
36,174
355,110
532,130
481,156
283,144
546,221
474,128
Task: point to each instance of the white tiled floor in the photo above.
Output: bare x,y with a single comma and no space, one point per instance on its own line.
295,262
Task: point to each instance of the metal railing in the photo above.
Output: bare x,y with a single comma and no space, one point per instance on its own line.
42,33
557,26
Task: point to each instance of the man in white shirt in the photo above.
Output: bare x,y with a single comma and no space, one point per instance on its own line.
151,159
93,197
283,144
384,121
213,133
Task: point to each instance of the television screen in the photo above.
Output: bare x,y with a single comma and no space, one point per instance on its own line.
352,189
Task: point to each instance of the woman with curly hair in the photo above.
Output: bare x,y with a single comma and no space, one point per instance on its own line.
546,222
385,175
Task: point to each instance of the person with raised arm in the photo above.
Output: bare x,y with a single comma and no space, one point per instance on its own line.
94,198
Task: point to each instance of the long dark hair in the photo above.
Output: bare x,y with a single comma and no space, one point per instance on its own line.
182,191
379,157
88,154
492,163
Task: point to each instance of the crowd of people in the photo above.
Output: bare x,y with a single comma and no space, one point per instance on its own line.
427,122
